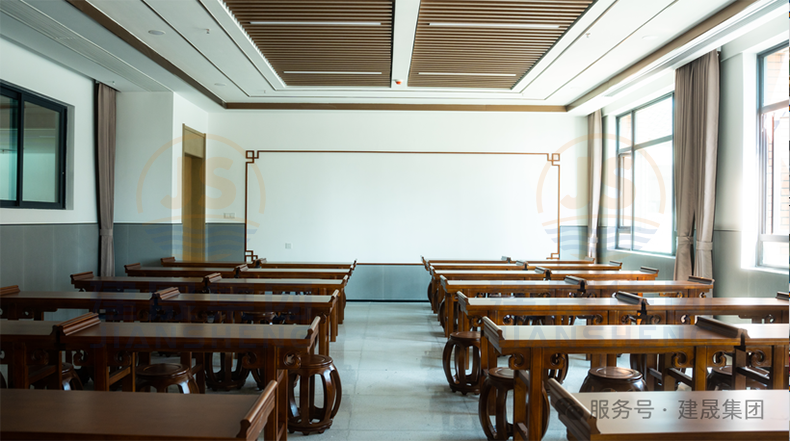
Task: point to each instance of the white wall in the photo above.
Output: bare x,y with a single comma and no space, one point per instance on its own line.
232,132
33,72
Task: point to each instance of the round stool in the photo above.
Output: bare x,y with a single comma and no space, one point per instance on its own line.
228,377
3,384
71,381
303,414
161,375
612,379
493,403
457,348
261,318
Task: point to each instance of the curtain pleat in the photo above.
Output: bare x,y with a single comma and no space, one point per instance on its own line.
105,175
696,146
595,165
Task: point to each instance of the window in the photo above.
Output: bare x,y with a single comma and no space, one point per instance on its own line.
32,150
772,244
644,178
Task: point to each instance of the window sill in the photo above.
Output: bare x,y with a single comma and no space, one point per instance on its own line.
640,253
768,270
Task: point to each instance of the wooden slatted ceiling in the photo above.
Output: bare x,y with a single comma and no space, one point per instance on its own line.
487,38
344,39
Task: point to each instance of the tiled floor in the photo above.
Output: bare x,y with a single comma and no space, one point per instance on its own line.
389,359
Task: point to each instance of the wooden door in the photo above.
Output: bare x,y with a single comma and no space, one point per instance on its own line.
193,212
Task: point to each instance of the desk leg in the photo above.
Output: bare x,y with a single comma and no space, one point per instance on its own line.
778,369
18,376
449,308
537,372
277,425
101,370
323,336
699,375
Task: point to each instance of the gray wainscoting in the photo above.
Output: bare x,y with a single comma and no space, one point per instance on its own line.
388,282
40,257
225,242
142,243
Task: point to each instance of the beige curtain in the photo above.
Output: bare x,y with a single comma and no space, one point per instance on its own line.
594,167
696,145
105,174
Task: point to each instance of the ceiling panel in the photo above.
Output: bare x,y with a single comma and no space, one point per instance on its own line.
322,42
485,44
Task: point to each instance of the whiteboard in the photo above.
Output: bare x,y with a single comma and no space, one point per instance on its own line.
395,207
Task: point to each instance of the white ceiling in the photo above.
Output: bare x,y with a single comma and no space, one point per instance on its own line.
204,40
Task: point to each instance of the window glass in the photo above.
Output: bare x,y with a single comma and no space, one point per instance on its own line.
8,147
41,162
775,69
653,198
654,122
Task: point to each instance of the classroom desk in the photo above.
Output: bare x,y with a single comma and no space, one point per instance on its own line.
271,348
174,306
694,287
577,266
472,274
172,262
306,286
535,348
599,416
241,271
643,274
316,265
662,310
474,288
54,414
88,282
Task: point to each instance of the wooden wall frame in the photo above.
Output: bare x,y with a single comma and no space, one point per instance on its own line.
553,160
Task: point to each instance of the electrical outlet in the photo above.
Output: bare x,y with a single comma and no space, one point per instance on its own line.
287,246
230,215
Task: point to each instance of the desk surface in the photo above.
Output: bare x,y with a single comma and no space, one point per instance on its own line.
643,285
55,414
334,283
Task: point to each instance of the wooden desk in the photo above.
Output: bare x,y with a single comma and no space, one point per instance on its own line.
315,265
684,310
272,348
612,266
307,286
88,282
172,262
694,287
697,415
534,348
475,288
500,266
299,309
643,274
55,414
471,274
242,271
185,308
127,306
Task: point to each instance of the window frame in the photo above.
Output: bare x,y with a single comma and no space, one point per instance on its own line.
621,152
25,96
762,157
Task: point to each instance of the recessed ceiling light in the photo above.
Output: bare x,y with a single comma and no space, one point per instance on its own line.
317,23
329,72
497,25
650,37
471,74
156,32
220,84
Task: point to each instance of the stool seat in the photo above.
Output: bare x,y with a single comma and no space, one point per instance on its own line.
162,375
493,404
455,361
303,413
613,379
69,377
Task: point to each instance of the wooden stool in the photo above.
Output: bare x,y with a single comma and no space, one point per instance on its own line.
161,375
457,347
612,379
493,399
71,381
261,318
228,377
303,414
